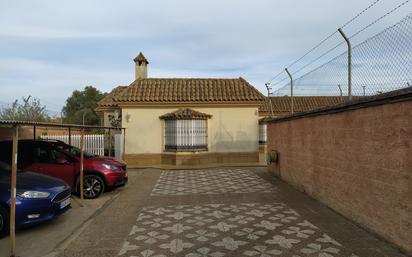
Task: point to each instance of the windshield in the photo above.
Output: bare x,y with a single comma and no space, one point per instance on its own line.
76,151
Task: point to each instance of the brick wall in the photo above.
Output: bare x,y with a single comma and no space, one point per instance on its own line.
358,161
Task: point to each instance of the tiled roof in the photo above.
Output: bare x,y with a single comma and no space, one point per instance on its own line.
188,90
281,104
108,101
185,113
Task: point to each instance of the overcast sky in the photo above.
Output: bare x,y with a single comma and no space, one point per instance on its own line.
50,48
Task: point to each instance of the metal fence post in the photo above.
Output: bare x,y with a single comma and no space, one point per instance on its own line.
340,90
13,192
270,101
291,90
349,63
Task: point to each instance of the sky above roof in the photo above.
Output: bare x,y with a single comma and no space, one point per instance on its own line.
50,48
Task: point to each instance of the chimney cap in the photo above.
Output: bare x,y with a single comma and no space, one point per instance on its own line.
140,58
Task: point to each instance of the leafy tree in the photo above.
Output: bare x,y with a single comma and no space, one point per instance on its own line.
82,104
29,110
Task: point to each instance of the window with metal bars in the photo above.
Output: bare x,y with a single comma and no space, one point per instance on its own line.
262,133
186,135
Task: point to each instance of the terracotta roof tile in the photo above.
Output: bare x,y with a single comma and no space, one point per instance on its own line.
281,104
185,113
180,90
108,101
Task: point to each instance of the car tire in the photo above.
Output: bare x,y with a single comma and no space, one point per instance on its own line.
93,186
4,222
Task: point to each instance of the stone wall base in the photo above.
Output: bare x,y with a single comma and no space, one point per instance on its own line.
190,158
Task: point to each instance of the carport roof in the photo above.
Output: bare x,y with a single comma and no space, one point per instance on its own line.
10,123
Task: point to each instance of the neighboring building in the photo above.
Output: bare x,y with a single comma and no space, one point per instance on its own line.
278,106
185,121
108,110
281,104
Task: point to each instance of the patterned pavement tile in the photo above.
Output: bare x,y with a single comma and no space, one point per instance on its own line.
243,229
213,181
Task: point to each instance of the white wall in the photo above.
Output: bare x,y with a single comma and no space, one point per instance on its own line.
229,129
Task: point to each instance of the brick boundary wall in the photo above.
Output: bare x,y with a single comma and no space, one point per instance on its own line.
356,158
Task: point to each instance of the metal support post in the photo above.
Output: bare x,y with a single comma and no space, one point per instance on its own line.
70,136
34,133
269,100
13,192
340,90
82,164
291,90
124,143
364,90
349,63
110,142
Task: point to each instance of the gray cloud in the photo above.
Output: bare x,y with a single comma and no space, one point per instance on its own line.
51,48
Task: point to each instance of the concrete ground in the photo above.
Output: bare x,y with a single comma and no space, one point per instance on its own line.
42,239
219,212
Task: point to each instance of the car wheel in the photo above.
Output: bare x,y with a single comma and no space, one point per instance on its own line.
93,186
4,222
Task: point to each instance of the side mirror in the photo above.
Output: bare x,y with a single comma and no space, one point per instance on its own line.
62,160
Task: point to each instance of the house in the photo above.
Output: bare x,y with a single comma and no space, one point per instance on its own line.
185,121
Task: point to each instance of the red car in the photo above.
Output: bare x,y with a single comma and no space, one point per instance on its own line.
60,160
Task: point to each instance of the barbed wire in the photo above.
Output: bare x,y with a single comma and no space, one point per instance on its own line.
380,18
360,14
325,39
381,63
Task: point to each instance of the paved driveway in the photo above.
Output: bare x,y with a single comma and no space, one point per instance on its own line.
221,212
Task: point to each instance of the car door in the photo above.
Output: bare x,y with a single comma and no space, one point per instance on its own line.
46,162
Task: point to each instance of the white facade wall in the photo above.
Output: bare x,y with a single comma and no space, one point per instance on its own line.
231,129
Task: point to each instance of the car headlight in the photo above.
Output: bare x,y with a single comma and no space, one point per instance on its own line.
34,194
110,167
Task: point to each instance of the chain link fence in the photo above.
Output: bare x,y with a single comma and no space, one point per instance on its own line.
380,64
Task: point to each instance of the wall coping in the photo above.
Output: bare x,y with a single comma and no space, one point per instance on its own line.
396,96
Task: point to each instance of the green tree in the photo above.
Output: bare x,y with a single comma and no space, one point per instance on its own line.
29,110
82,104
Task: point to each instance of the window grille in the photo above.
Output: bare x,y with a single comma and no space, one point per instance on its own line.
186,135
262,133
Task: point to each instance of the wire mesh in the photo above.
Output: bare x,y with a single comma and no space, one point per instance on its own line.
380,64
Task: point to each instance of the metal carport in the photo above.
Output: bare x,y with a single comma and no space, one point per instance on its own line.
14,125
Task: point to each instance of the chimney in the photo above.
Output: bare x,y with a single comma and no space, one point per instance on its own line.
141,66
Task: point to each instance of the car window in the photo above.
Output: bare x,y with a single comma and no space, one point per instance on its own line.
74,150
25,153
5,152
4,167
54,154
41,155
